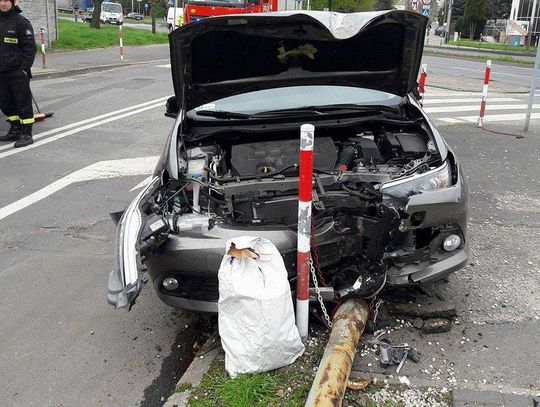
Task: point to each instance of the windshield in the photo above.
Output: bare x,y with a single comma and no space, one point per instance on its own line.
300,96
111,8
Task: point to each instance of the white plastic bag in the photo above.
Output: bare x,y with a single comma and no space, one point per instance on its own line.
255,309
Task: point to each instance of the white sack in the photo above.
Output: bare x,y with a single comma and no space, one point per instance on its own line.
255,309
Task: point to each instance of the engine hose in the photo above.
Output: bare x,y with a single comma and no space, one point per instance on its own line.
345,159
213,198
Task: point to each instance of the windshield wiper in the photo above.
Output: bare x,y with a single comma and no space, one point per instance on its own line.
302,111
222,114
356,108
299,111
324,109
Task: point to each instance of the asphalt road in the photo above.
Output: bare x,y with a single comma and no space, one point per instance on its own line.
517,76
62,344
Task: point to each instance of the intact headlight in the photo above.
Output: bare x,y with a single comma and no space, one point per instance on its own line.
429,181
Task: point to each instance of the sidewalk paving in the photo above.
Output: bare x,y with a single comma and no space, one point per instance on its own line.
76,62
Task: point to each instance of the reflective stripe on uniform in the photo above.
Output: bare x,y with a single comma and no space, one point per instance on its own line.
13,118
27,121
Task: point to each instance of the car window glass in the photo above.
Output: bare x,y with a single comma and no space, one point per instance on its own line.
298,96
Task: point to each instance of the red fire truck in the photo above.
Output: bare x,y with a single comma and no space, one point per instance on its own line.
195,10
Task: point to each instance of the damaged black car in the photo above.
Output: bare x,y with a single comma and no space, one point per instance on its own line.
389,197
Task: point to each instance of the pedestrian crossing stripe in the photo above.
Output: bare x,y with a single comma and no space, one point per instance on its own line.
468,100
488,118
472,108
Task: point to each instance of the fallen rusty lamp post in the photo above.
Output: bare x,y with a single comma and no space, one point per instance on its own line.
331,380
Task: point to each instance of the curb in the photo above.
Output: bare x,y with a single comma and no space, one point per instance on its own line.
482,50
195,372
97,68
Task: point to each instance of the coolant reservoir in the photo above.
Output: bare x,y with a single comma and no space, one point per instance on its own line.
196,169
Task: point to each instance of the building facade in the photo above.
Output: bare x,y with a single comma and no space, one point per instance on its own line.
43,15
522,10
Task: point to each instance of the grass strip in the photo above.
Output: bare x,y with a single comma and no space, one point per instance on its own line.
505,58
285,387
77,36
487,45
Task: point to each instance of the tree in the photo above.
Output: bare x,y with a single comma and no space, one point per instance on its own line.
343,6
457,9
96,15
384,5
440,16
498,9
474,14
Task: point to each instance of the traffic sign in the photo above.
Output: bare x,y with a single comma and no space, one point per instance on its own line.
414,5
425,10
426,2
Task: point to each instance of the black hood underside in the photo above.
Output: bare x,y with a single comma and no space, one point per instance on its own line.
224,56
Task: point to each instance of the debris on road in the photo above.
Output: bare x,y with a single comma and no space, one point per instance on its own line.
395,354
437,325
359,384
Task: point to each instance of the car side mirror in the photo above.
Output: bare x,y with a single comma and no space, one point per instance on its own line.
172,109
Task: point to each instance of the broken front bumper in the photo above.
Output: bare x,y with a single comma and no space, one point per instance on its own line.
437,214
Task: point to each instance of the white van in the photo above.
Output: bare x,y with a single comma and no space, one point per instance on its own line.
111,13
179,17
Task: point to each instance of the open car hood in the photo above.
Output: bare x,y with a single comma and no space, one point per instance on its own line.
224,56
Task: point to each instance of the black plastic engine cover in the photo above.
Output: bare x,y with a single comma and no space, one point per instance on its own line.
403,145
269,156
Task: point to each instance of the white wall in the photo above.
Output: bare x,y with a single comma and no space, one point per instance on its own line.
42,14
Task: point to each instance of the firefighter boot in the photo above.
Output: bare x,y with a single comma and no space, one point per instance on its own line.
14,132
26,136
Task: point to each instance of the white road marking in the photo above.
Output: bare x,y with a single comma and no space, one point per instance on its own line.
429,101
449,120
488,118
90,120
142,184
100,170
163,66
453,93
471,108
78,130
500,117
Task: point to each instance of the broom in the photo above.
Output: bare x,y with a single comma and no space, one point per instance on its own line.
39,117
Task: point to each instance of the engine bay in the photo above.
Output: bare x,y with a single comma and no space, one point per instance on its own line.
250,181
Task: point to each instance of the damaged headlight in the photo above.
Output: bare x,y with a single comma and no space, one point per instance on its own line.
429,181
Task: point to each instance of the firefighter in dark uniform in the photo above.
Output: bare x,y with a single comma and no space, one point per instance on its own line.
17,52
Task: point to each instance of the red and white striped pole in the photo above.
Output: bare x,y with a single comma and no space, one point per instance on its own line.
484,94
304,228
42,40
121,36
422,82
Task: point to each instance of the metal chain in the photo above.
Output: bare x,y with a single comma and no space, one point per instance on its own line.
318,291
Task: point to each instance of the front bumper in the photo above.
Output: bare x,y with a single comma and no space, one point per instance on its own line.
425,272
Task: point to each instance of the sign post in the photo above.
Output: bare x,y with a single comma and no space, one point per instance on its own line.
303,256
533,90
